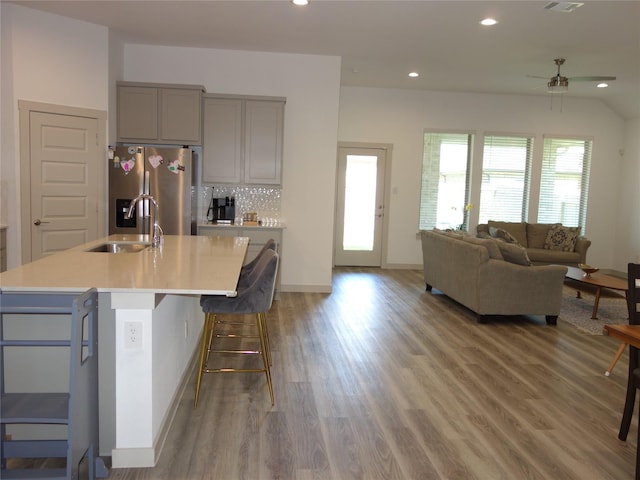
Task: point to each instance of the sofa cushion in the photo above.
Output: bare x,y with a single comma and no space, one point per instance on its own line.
561,238
502,234
541,256
514,253
517,229
490,244
537,234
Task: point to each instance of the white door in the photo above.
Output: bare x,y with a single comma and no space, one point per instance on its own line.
64,181
360,206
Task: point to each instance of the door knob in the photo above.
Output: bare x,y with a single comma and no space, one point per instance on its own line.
38,222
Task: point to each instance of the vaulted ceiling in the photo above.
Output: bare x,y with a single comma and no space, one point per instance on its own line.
380,42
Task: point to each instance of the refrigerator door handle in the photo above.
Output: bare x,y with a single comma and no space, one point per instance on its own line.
146,213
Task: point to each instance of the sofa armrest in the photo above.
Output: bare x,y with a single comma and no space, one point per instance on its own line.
582,245
509,289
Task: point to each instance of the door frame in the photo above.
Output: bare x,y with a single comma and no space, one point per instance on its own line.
388,148
25,108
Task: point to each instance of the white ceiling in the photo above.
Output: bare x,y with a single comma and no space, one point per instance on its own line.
381,41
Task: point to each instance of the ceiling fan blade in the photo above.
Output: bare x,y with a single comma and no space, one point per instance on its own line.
538,76
590,79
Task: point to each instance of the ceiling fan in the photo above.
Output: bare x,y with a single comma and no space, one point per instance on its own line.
560,84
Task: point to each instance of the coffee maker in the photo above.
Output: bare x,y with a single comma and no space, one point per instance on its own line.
222,210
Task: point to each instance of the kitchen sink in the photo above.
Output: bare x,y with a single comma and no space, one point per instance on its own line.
120,247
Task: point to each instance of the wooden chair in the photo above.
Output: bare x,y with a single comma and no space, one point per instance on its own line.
633,382
255,296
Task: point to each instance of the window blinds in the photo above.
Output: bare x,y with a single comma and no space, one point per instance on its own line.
564,183
506,164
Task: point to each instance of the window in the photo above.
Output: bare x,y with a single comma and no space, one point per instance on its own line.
564,183
506,163
445,180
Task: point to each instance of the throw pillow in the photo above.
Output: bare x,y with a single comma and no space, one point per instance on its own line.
562,238
514,253
490,244
502,234
517,229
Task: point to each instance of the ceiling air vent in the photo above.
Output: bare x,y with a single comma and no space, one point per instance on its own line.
563,6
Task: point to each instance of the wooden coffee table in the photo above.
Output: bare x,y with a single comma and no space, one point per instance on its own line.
598,280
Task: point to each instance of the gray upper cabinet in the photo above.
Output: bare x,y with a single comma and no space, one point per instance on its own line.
159,113
242,140
222,140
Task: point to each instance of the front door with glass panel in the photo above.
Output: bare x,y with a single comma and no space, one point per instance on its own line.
360,206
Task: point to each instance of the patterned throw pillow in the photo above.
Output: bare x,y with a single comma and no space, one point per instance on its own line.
561,238
502,234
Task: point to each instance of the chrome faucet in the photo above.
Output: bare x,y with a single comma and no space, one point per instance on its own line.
157,231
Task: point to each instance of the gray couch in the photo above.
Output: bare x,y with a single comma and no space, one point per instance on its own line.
473,272
534,236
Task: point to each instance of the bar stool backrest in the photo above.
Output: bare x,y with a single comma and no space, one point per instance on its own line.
633,293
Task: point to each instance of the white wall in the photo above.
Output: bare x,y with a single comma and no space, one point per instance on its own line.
627,238
311,85
50,59
399,117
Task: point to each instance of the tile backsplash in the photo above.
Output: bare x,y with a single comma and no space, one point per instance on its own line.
265,201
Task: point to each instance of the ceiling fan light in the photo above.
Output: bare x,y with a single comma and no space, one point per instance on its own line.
558,84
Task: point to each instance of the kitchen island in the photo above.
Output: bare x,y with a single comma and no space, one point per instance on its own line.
155,292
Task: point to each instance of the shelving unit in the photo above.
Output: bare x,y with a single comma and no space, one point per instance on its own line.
77,408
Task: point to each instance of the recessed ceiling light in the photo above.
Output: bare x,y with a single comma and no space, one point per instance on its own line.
414,74
301,3
602,85
487,22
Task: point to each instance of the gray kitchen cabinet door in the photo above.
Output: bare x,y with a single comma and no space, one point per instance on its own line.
137,114
263,142
180,114
222,140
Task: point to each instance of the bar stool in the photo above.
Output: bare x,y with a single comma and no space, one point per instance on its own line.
247,276
255,296
633,380
247,268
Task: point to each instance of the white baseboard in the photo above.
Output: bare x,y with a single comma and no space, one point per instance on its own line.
306,288
403,266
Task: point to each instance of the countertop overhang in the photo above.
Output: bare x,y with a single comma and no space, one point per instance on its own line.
199,265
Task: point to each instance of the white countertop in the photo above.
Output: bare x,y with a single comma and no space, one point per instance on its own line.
207,265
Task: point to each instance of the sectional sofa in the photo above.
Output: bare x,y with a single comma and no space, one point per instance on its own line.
489,276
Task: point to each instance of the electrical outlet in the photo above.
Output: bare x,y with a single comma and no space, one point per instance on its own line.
133,335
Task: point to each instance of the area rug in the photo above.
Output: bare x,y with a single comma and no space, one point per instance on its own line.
577,311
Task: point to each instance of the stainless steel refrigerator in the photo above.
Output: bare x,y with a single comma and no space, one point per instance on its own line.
167,174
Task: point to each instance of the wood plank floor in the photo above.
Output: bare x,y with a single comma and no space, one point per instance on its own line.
382,380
